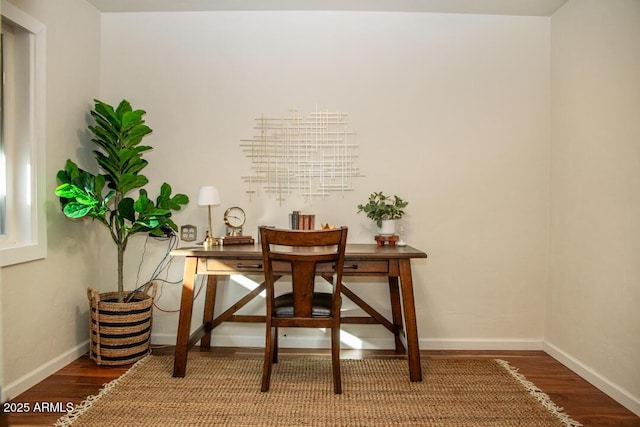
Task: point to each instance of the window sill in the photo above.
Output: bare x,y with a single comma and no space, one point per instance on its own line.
11,254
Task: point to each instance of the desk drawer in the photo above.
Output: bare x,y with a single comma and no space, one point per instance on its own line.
350,267
231,266
365,267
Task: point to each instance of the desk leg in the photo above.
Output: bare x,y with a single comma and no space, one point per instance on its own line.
184,322
209,305
409,306
396,311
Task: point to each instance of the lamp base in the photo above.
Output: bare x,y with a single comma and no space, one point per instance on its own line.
209,242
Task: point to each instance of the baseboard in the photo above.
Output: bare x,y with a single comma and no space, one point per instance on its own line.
368,344
256,341
605,385
481,344
217,340
32,378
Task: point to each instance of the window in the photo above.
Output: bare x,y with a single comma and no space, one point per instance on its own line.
22,166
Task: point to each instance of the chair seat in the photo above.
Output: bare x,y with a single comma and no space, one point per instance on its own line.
283,305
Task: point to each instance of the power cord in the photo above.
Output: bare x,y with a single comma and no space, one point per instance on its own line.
163,267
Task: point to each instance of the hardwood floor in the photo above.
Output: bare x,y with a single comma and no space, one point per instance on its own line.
580,399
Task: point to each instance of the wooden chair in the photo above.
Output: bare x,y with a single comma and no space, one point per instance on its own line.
303,251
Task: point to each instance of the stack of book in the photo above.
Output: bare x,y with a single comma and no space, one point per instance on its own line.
300,221
237,240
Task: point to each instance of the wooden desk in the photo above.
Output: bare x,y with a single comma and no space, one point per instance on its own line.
360,260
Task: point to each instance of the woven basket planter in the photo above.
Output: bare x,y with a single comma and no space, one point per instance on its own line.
120,333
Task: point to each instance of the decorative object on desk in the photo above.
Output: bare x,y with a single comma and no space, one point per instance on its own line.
294,219
234,219
386,239
324,226
402,230
117,134
388,227
384,210
313,155
209,196
300,221
307,222
237,240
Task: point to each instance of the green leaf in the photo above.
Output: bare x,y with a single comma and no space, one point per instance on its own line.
135,167
157,212
86,199
143,203
157,232
165,190
127,155
165,200
86,182
151,222
68,191
171,224
76,210
175,202
99,182
129,181
123,107
71,169
104,131
62,177
107,162
106,111
131,161
126,210
142,148
110,195
135,135
131,119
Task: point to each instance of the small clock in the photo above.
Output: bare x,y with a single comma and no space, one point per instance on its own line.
234,218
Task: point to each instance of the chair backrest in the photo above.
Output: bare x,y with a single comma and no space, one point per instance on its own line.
304,250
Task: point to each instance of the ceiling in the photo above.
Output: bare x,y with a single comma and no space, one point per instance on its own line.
484,7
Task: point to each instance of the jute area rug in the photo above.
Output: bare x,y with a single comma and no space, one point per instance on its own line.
376,392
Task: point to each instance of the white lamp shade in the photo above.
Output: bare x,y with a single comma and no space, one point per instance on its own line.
208,196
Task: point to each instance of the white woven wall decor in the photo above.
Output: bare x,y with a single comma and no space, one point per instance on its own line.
312,156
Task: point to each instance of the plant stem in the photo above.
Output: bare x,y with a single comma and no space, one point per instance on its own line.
120,273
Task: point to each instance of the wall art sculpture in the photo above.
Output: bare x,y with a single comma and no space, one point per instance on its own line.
312,156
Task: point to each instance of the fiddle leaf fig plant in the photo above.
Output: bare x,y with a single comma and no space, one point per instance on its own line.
104,197
381,207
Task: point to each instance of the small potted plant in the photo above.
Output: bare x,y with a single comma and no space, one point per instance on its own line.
384,210
104,197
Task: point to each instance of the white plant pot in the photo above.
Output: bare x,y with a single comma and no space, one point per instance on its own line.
388,227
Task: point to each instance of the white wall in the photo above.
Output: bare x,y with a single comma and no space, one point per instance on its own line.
44,306
593,321
452,113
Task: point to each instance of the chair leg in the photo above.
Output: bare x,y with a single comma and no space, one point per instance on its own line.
274,350
268,357
335,360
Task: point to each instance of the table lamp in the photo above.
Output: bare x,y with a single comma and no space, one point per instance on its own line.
209,196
